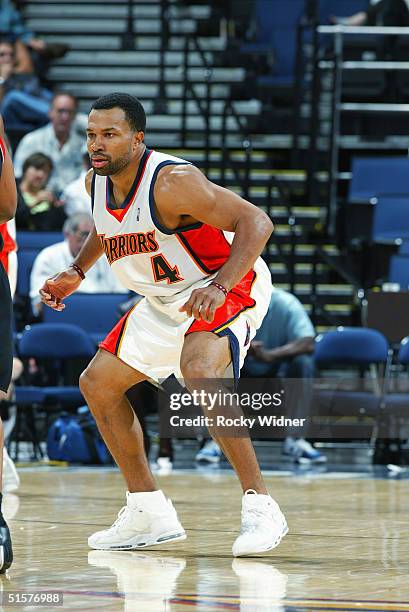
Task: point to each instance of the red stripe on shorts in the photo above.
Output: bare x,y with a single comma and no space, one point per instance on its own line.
237,301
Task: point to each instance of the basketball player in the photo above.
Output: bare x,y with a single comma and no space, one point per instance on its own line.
8,204
161,225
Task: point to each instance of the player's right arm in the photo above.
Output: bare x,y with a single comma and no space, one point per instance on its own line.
56,289
8,192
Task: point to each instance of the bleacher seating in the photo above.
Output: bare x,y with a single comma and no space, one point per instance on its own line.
372,176
391,219
276,33
399,271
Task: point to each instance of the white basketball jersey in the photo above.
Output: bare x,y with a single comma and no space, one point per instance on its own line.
145,256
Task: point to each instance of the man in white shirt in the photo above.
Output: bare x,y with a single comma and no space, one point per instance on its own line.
63,140
75,195
59,256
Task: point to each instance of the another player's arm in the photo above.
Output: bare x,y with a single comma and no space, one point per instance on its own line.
8,191
68,281
184,195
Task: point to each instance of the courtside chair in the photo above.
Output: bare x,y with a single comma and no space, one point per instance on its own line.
37,240
95,313
358,348
396,403
56,345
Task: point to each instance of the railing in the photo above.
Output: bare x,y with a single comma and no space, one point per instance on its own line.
241,174
204,105
339,32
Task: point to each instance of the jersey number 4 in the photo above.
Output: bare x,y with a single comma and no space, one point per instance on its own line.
162,270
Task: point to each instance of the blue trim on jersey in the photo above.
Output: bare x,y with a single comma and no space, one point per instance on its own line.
94,176
131,193
234,349
155,219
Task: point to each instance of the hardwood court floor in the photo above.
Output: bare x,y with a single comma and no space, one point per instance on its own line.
347,549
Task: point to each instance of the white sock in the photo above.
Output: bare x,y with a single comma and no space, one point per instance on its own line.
150,500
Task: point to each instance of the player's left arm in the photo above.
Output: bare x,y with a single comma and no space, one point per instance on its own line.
8,191
185,193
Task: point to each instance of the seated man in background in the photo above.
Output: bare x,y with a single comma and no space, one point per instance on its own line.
75,195
59,256
38,209
63,139
12,25
24,102
284,347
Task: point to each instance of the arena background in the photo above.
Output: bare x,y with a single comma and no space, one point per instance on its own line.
307,120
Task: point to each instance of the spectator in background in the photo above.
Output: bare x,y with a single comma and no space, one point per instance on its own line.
75,196
283,348
62,139
51,260
38,209
379,13
12,26
24,103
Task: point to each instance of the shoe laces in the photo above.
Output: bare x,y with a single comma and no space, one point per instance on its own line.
122,516
251,518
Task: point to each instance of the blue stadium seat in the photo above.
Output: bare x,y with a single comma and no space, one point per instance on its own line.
53,342
399,270
391,219
37,240
60,342
404,248
397,404
351,346
25,259
358,347
374,176
277,22
95,313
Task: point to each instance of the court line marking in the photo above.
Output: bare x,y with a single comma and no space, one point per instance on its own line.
321,604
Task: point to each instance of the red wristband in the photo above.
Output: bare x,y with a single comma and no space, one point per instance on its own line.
220,287
78,270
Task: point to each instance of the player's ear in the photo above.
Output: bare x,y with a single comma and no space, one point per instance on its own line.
138,139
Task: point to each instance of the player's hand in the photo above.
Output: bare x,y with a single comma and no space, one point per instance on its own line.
57,288
203,303
258,351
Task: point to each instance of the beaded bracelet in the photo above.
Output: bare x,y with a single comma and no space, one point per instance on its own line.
78,270
220,287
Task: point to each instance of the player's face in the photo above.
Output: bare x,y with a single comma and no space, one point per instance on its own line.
111,142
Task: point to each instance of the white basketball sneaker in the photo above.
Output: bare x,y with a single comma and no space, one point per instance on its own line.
146,520
263,525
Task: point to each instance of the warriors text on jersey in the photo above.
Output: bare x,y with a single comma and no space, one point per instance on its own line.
147,257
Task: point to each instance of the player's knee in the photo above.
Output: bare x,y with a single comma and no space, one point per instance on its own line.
199,368
89,382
